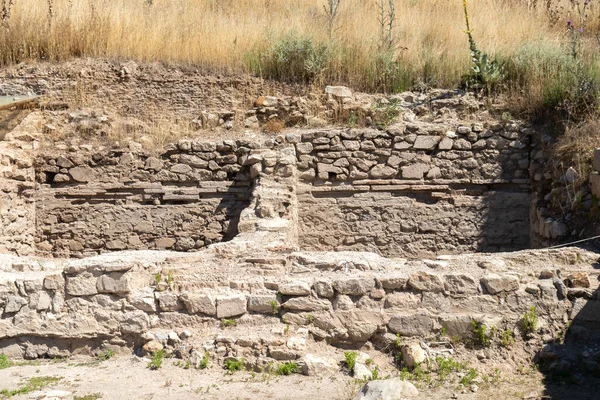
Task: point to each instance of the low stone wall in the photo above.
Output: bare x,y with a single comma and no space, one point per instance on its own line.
413,220
349,298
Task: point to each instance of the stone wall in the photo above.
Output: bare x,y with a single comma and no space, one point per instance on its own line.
416,188
93,201
17,188
343,298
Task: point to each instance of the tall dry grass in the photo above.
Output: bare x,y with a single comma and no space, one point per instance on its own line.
220,34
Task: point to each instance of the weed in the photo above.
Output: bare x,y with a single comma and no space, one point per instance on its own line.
170,278
274,307
157,360
310,319
369,362
486,73
398,342
204,362
286,369
469,376
350,359
384,113
226,323
508,337
530,321
33,384
157,278
105,355
480,337
375,373
286,330
234,365
446,366
4,361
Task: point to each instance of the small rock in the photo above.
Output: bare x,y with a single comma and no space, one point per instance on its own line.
413,355
362,372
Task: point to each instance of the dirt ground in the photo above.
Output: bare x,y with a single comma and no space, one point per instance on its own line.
127,377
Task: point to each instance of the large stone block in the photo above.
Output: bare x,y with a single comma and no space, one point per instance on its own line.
197,303
231,306
83,284
354,286
495,284
115,283
306,304
263,303
295,289
412,325
425,282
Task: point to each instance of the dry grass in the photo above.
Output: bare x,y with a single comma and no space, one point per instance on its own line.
217,34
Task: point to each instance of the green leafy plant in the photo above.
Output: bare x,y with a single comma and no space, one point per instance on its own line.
204,362
486,73
350,359
4,361
375,373
508,337
157,360
530,321
234,365
287,369
157,278
105,355
226,323
469,376
447,365
170,278
480,337
274,307
310,318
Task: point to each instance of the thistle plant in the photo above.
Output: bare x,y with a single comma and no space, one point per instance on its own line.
485,73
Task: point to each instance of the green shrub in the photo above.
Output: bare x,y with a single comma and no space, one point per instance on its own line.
157,360
234,365
290,58
350,359
530,321
105,355
4,361
469,376
204,362
226,323
480,337
287,369
508,338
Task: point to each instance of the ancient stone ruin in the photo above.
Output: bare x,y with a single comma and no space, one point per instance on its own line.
353,236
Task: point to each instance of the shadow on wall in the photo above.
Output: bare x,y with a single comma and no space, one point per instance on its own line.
571,364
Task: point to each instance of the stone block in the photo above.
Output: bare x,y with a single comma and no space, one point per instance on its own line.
425,282
263,303
496,284
168,301
426,142
231,306
415,171
306,304
197,303
295,289
83,284
116,283
354,286
412,325
324,289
